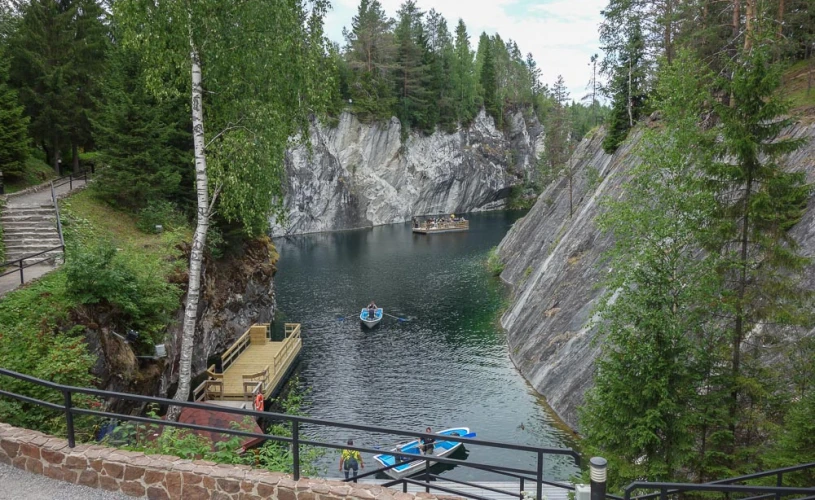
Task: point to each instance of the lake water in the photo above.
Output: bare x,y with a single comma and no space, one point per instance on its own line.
446,366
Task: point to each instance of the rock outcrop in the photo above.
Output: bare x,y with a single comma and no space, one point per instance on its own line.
360,175
236,292
552,261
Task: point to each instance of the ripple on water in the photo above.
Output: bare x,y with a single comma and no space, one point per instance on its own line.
447,366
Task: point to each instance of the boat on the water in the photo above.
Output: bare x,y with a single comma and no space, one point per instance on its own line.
370,321
429,224
441,448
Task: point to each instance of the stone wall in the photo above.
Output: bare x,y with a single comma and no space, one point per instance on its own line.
168,477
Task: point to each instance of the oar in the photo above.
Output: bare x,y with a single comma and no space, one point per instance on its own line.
396,317
346,317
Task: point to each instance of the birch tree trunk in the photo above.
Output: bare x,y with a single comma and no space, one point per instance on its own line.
198,241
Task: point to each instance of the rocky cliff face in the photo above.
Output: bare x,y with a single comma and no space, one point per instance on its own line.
552,262
361,175
236,292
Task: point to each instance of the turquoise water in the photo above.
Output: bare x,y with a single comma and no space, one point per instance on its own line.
446,366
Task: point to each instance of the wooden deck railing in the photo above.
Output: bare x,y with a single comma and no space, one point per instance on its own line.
230,355
213,387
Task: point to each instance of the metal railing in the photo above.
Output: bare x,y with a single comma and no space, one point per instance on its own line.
727,486
296,422
18,265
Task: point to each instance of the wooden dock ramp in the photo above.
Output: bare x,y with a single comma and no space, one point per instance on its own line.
253,365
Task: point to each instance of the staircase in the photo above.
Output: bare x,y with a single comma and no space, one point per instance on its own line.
29,229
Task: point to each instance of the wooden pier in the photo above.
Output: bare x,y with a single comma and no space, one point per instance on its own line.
253,365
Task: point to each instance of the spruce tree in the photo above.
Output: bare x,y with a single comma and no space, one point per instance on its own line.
138,137
411,74
488,79
14,142
759,202
641,410
628,92
57,55
463,76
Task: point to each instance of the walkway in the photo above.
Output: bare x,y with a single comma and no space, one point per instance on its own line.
28,220
18,484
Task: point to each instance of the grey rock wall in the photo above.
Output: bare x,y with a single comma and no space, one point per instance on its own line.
362,175
552,262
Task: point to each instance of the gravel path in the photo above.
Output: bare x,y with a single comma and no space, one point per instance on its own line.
16,484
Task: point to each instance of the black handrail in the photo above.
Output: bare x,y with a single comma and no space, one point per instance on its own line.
666,488
295,441
778,473
18,264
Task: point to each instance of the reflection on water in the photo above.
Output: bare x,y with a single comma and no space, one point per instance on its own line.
445,365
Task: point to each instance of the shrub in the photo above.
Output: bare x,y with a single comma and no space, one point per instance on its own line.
130,287
159,212
494,264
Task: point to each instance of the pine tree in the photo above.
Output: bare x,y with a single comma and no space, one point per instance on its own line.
370,52
463,77
411,75
558,144
628,92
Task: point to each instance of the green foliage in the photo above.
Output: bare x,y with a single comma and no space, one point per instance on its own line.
131,292
494,264
14,143
627,89
488,78
143,141
796,443
649,377
757,203
36,338
272,455
160,213
58,55
251,113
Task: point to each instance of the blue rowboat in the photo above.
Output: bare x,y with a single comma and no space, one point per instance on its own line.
369,321
441,448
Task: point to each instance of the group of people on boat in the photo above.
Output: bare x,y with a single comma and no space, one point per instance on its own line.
351,460
436,221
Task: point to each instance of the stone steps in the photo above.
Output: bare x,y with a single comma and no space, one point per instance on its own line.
30,230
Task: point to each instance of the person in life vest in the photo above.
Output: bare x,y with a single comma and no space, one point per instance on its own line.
350,460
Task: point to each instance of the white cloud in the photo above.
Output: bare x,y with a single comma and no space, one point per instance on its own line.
561,34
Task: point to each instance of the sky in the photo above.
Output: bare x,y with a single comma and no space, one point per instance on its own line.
561,34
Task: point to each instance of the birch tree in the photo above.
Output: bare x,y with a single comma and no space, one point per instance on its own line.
255,72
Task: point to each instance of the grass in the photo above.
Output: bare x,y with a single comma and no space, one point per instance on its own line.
36,172
43,328
89,218
795,87
494,264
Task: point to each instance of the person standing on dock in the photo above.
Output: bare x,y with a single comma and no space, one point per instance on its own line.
351,459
